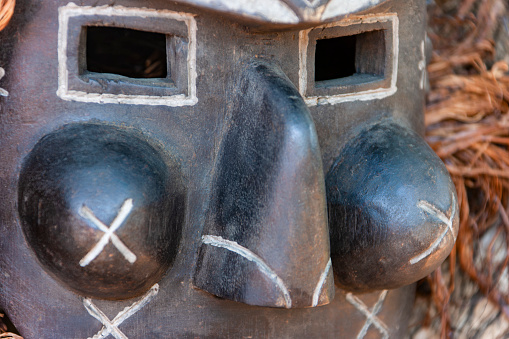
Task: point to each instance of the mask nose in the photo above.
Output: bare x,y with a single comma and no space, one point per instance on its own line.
265,240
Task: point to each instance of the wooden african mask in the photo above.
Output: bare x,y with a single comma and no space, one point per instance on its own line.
217,169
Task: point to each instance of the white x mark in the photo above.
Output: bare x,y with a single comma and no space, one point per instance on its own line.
111,326
371,318
86,213
427,207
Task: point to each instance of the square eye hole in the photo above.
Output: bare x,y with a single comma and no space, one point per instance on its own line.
127,55
352,59
119,60
126,52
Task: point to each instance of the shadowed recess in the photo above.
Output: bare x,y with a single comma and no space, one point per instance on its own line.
127,52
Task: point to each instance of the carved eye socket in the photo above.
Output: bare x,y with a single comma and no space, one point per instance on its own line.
117,60
126,52
127,55
351,59
335,58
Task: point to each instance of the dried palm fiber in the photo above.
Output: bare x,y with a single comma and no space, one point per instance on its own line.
6,11
4,334
467,124
9,336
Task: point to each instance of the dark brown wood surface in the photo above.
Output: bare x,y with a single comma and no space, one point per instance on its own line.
208,108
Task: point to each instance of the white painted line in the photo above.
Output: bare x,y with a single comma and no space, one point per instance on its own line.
341,7
319,286
108,328
432,210
422,65
268,10
86,213
3,92
430,249
375,94
232,246
303,61
368,95
311,3
371,318
111,327
72,10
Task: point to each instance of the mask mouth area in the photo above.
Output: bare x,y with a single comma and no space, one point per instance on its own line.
265,240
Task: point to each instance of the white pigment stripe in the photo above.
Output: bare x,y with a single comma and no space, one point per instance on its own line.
232,246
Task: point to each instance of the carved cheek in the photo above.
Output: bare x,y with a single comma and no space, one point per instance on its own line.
393,212
99,206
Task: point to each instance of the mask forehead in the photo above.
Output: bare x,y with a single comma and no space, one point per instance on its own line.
265,14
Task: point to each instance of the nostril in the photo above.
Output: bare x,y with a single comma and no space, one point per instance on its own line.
101,209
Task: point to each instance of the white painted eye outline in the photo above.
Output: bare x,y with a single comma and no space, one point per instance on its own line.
71,10
282,12
3,92
371,94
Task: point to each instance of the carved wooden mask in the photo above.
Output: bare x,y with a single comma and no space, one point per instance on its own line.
202,168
